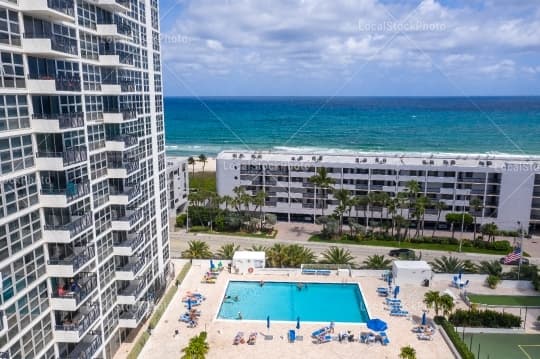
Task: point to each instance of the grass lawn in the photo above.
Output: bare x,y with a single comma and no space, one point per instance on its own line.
199,229
504,346
203,181
394,244
518,301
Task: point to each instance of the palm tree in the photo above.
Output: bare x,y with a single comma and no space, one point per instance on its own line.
258,201
490,267
342,195
197,250
377,262
439,206
490,230
322,181
336,255
432,300
422,202
257,248
276,256
226,251
392,212
226,200
475,204
297,255
447,265
407,352
197,347
203,159
191,162
362,202
446,303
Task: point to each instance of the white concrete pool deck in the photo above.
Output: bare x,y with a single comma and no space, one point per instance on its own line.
163,344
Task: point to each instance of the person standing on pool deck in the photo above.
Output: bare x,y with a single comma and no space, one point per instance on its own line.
239,316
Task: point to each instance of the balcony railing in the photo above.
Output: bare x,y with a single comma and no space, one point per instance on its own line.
75,261
85,349
69,157
133,240
129,191
132,290
136,313
72,192
123,29
127,86
124,59
65,120
128,140
133,267
77,225
58,42
131,216
83,323
129,166
63,6
86,286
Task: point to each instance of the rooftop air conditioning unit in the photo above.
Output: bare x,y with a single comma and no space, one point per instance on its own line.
445,162
481,163
320,158
253,156
357,160
293,158
452,162
364,160
300,158
489,163
313,158
234,155
259,156
431,162
241,155
424,162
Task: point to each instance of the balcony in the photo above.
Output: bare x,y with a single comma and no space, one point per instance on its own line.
125,196
119,116
65,232
111,58
86,349
131,293
3,324
58,161
72,300
114,31
62,197
134,317
127,221
60,10
52,84
74,330
128,246
117,169
112,5
130,270
122,143
57,122
71,265
49,45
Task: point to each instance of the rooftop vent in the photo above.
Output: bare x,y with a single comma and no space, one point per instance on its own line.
293,158
300,158
320,158
364,160
489,163
259,156
357,160
377,159
313,158
481,163
452,162
431,162
234,155
424,162
384,160
445,162
241,155
253,156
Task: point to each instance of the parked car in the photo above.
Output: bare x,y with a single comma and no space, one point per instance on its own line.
401,252
524,261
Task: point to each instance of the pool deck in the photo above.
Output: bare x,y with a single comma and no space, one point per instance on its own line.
163,344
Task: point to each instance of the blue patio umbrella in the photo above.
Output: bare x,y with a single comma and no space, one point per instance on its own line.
189,304
389,278
424,320
459,275
297,322
377,325
212,266
396,291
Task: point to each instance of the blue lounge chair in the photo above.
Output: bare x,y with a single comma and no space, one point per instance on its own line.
320,332
324,338
399,313
292,336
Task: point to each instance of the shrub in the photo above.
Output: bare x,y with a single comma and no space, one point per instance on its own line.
502,246
461,347
181,220
484,319
492,281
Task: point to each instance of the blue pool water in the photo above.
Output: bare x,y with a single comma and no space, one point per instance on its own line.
282,301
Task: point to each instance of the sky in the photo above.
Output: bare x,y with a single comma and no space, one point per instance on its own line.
350,47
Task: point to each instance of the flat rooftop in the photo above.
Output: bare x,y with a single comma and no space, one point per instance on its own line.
526,163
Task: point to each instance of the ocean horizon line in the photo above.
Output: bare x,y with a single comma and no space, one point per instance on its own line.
354,96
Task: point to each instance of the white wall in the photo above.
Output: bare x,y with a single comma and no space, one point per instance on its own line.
515,198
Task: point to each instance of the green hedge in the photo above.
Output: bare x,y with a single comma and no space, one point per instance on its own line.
484,319
461,347
158,313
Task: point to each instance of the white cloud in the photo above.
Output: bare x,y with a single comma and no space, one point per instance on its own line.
502,68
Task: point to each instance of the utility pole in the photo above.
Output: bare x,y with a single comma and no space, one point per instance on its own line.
520,247
462,226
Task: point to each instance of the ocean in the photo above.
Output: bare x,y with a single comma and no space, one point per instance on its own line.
493,125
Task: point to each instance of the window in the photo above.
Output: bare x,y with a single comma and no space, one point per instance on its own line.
12,70
13,113
16,153
9,27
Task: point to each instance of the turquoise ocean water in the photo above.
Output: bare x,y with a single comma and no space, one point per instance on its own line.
344,124
282,301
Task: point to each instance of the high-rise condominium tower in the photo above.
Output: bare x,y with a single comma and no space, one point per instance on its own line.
84,249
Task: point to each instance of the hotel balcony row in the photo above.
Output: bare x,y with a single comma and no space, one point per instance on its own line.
124,219
85,349
124,195
53,83
75,325
58,159
131,269
126,244
133,315
64,10
65,228
59,196
71,261
130,294
70,295
122,143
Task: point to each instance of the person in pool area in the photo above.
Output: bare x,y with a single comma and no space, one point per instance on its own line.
239,316
261,283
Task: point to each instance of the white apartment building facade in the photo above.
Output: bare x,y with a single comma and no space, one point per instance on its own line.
507,186
84,248
177,184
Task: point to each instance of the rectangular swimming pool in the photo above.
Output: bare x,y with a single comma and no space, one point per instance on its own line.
285,301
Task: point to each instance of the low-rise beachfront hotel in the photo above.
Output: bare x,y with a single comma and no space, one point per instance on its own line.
508,187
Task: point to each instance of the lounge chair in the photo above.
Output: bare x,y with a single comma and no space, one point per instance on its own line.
320,332
291,336
399,313
423,336
192,324
252,338
382,290
239,338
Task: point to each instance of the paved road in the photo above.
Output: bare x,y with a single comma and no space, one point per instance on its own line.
360,252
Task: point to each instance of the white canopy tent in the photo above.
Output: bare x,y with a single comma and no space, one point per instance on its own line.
411,272
247,261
